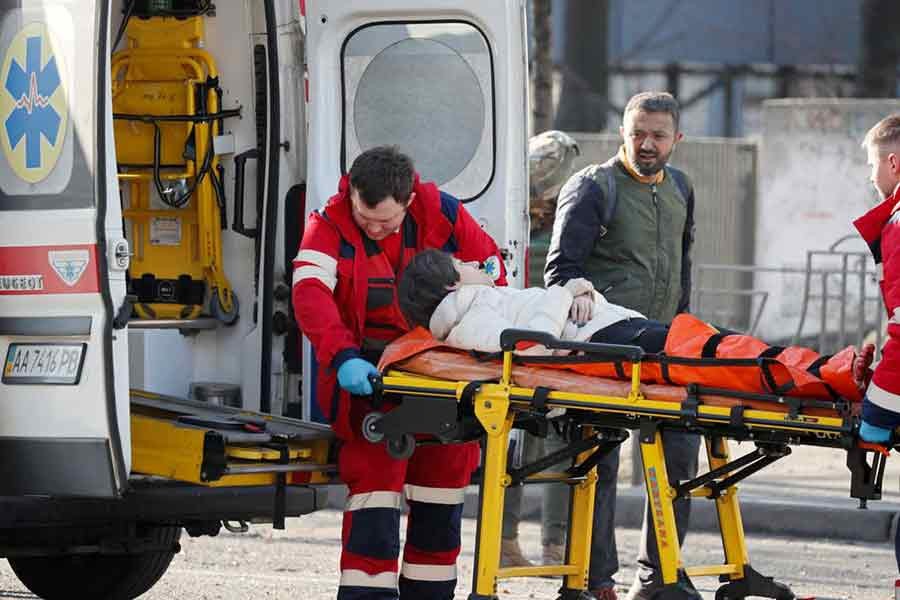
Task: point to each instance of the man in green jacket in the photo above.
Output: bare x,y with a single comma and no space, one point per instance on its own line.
627,226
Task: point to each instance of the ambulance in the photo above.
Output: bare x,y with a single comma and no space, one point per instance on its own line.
159,159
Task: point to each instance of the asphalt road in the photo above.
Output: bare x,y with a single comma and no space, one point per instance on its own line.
300,563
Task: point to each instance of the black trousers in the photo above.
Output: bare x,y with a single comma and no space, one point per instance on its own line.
646,333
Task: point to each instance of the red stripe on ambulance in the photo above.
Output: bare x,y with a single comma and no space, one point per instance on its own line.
32,270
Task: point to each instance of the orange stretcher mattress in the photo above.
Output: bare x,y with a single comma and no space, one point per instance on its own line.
419,353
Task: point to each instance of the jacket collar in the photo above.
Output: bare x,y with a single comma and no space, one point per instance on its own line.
870,224
656,178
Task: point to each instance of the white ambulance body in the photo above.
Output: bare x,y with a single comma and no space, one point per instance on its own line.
302,90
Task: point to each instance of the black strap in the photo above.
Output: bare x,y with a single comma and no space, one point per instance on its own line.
468,394
539,398
681,183
737,415
664,368
765,365
486,356
611,198
709,348
816,367
690,406
771,352
620,369
794,406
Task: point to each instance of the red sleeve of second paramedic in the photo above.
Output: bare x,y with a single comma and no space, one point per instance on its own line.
475,244
315,277
883,236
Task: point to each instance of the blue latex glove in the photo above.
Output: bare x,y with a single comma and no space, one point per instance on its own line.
354,374
874,434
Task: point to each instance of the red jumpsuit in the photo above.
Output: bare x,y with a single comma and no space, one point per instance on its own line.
880,228
345,301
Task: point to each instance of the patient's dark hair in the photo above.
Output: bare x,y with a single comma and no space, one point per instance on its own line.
425,282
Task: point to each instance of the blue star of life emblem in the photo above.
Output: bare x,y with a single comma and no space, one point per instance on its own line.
31,87
491,266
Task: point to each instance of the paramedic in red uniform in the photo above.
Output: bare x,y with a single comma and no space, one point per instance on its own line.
345,298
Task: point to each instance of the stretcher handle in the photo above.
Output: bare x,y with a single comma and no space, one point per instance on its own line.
510,338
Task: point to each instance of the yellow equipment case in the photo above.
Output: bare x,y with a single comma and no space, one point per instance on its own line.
166,105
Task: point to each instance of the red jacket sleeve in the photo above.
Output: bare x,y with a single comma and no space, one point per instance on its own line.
475,244
315,306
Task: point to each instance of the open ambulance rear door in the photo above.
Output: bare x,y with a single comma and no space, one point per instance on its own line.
63,395
445,81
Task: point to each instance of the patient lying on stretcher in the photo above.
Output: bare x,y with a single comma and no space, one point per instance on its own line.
458,303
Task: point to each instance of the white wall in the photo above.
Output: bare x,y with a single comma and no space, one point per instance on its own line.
813,183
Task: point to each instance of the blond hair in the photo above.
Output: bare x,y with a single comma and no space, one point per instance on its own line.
884,133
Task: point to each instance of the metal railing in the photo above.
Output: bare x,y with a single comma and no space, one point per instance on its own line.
826,298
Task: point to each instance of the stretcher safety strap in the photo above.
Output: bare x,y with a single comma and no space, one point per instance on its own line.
539,398
709,348
664,371
771,352
816,367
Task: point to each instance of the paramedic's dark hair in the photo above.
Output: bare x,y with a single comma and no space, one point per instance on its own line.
657,102
424,284
380,172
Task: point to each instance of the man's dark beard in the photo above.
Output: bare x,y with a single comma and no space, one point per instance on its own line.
648,171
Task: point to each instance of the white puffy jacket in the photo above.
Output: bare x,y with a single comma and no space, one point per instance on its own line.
473,316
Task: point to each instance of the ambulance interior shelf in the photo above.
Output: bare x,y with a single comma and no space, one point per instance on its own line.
452,396
168,116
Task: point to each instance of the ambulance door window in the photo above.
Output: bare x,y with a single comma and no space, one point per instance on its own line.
428,89
47,111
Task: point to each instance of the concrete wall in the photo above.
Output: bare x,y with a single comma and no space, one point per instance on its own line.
723,172
813,183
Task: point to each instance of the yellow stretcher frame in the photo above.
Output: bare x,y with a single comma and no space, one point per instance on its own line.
496,406
163,446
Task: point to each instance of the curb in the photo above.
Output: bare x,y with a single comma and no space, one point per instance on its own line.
828,516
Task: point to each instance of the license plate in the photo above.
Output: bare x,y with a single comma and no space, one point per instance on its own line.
54,364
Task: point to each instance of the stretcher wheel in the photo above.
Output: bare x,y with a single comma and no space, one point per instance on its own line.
368,427
401,448
218,312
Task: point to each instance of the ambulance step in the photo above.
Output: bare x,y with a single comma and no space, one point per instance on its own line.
295,468
199,324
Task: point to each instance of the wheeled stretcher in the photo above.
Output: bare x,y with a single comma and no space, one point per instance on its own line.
445,396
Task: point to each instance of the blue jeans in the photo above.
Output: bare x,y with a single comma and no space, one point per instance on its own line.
879,417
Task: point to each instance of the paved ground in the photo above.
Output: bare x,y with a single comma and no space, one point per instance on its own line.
300,564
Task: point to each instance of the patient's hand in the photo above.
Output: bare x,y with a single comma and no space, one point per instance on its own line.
582,309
